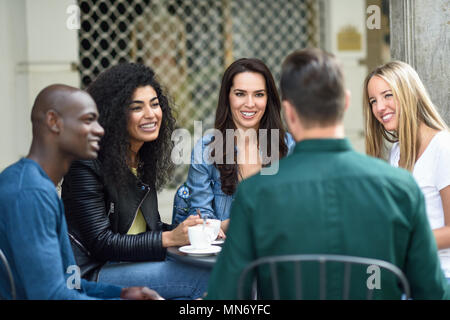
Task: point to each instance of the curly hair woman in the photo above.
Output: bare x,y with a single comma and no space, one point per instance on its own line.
248,105
111,203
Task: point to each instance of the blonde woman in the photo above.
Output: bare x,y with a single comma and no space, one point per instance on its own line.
398,109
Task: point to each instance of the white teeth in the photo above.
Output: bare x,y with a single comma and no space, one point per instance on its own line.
149,125
248,114
387,117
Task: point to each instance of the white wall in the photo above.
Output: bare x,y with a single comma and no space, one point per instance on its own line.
340,14
37,49
12,49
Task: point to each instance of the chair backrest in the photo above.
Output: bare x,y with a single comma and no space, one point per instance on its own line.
321,260
9,274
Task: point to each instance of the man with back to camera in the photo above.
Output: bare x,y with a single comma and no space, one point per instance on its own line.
33,230
327,199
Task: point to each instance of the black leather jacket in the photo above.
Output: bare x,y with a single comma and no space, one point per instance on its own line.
99,216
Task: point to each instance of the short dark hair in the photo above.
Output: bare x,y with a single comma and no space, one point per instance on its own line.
312,81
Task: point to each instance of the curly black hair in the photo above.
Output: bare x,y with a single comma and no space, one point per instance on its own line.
112,91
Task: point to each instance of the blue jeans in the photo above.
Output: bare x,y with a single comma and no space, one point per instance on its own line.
172,280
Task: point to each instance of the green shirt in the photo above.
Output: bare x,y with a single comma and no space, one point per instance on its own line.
328,199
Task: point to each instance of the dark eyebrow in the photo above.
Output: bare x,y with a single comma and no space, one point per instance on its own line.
140,101
94,114
260,90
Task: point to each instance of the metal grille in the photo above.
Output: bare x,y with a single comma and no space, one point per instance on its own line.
190,43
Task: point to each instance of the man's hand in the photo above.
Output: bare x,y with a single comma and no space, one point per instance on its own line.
139,293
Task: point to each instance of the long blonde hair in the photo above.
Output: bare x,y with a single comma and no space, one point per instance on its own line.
413,106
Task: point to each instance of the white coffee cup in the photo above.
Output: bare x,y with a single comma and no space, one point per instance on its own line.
213,228
199,236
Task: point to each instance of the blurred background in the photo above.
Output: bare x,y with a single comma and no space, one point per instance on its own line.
188,43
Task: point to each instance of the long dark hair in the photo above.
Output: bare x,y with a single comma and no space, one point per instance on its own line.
270,120
112,92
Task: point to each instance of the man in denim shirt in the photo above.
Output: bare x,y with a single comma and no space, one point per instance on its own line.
327,199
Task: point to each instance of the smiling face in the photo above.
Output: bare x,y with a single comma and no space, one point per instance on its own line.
382,103
144,117
248,99
81,132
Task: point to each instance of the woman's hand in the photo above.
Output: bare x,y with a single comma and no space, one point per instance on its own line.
139,293
221,234
224,226
179,235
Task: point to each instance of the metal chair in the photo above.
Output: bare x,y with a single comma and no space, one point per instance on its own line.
9,274
322,259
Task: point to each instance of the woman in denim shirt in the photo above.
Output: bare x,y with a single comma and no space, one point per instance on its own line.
248,102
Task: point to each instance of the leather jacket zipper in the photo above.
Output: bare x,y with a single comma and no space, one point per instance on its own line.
79,244
111,209
135,214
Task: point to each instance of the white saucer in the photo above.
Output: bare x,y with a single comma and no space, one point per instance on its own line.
220,241
200,252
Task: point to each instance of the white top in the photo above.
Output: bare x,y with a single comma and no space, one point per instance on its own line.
432,174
